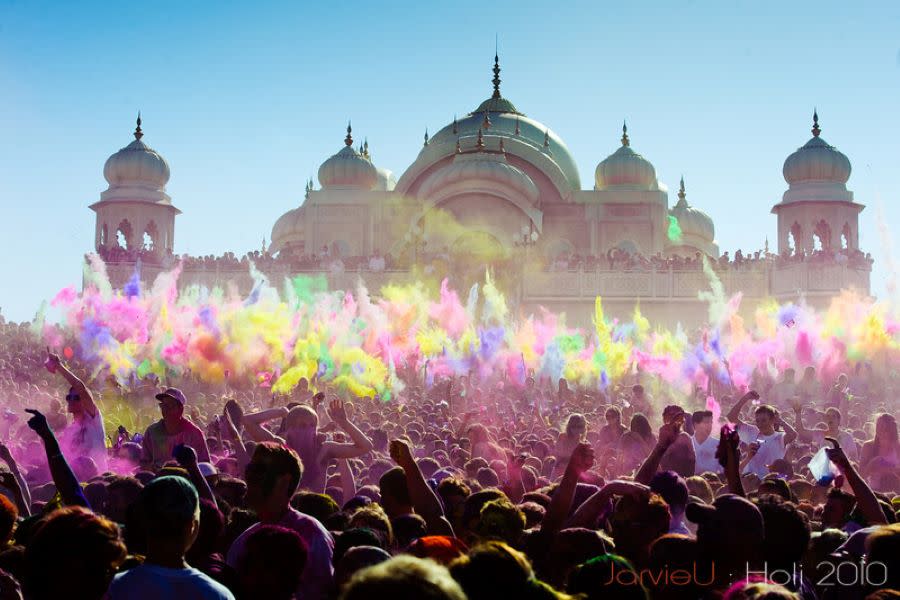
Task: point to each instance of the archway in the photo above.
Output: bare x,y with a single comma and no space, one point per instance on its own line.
822,236
151,234
123,235
795,239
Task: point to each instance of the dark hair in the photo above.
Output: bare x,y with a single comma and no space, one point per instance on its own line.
275,460
641,426
393,485
318,506
787,531
273,563
671,487
698,416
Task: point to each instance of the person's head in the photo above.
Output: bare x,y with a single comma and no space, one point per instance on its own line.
394,493
74,405
641,426
729,518
492,570
636,521
669,553
789,375
787,532
170,508
703,422
272,477
883,547
122,492
672,488
886,429
700,487
403,578
72,549
608,576
171,405
302,425
809,373
501,520
832,418
613,416
318,506
765,419
576,426
356,559
273,563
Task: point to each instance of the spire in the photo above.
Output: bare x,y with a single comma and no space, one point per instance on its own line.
349,139
518,131
815,129
365,148
625,141
479,144
138,134
547,140
496,79
455,126
682,196
426,136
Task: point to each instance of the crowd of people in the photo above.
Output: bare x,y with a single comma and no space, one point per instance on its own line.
467,488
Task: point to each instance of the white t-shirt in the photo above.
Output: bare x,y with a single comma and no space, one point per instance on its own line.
844,438
771,448
705,454
154,582
87,437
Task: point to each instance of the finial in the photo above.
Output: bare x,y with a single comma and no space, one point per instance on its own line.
546,139
486,122
426,136
349,139
365,151
625,141
496,79
502,147
480,143
455,126
815,129
681,193
458,147
518,131
138,134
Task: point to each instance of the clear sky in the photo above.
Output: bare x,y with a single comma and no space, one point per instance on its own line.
246,99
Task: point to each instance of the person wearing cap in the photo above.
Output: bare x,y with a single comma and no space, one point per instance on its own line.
170,508
172,430
86,435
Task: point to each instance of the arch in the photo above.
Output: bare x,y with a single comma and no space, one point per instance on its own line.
123,234
822,236
795,239
151,235
478,246
104,235
846,237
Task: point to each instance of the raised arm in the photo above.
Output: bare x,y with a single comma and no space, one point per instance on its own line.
729,455
588,513
55,365
802,432
253,424
187,458
240,451
582,460
424,500
668,434
865,497
63,477
361,443
734,415
348,483
790,434
7,457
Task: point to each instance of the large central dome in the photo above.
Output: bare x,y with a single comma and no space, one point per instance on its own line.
497,116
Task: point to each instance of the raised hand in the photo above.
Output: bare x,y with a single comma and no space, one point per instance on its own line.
582,459
318,399
668,433
52,361
728,450
337,412
38,422
837,455
400,452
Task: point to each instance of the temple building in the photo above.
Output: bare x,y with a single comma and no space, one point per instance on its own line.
496,188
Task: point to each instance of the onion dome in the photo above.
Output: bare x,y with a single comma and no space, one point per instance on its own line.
816,162
137,165
348,168
288,231
693,221
481,166
625,169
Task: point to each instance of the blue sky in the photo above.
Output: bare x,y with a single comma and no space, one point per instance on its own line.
245,100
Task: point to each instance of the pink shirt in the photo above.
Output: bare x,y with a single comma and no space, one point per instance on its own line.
316,580
158,444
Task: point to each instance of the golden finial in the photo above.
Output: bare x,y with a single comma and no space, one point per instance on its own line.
496,79
138,134
625,140
349,139
479,144
815,129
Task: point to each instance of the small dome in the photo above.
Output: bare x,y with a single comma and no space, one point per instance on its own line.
816,161
137,165
348,168
288,231
625,169
386,180
692,221
490,166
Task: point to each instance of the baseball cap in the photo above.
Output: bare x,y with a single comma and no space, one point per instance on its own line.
173,393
